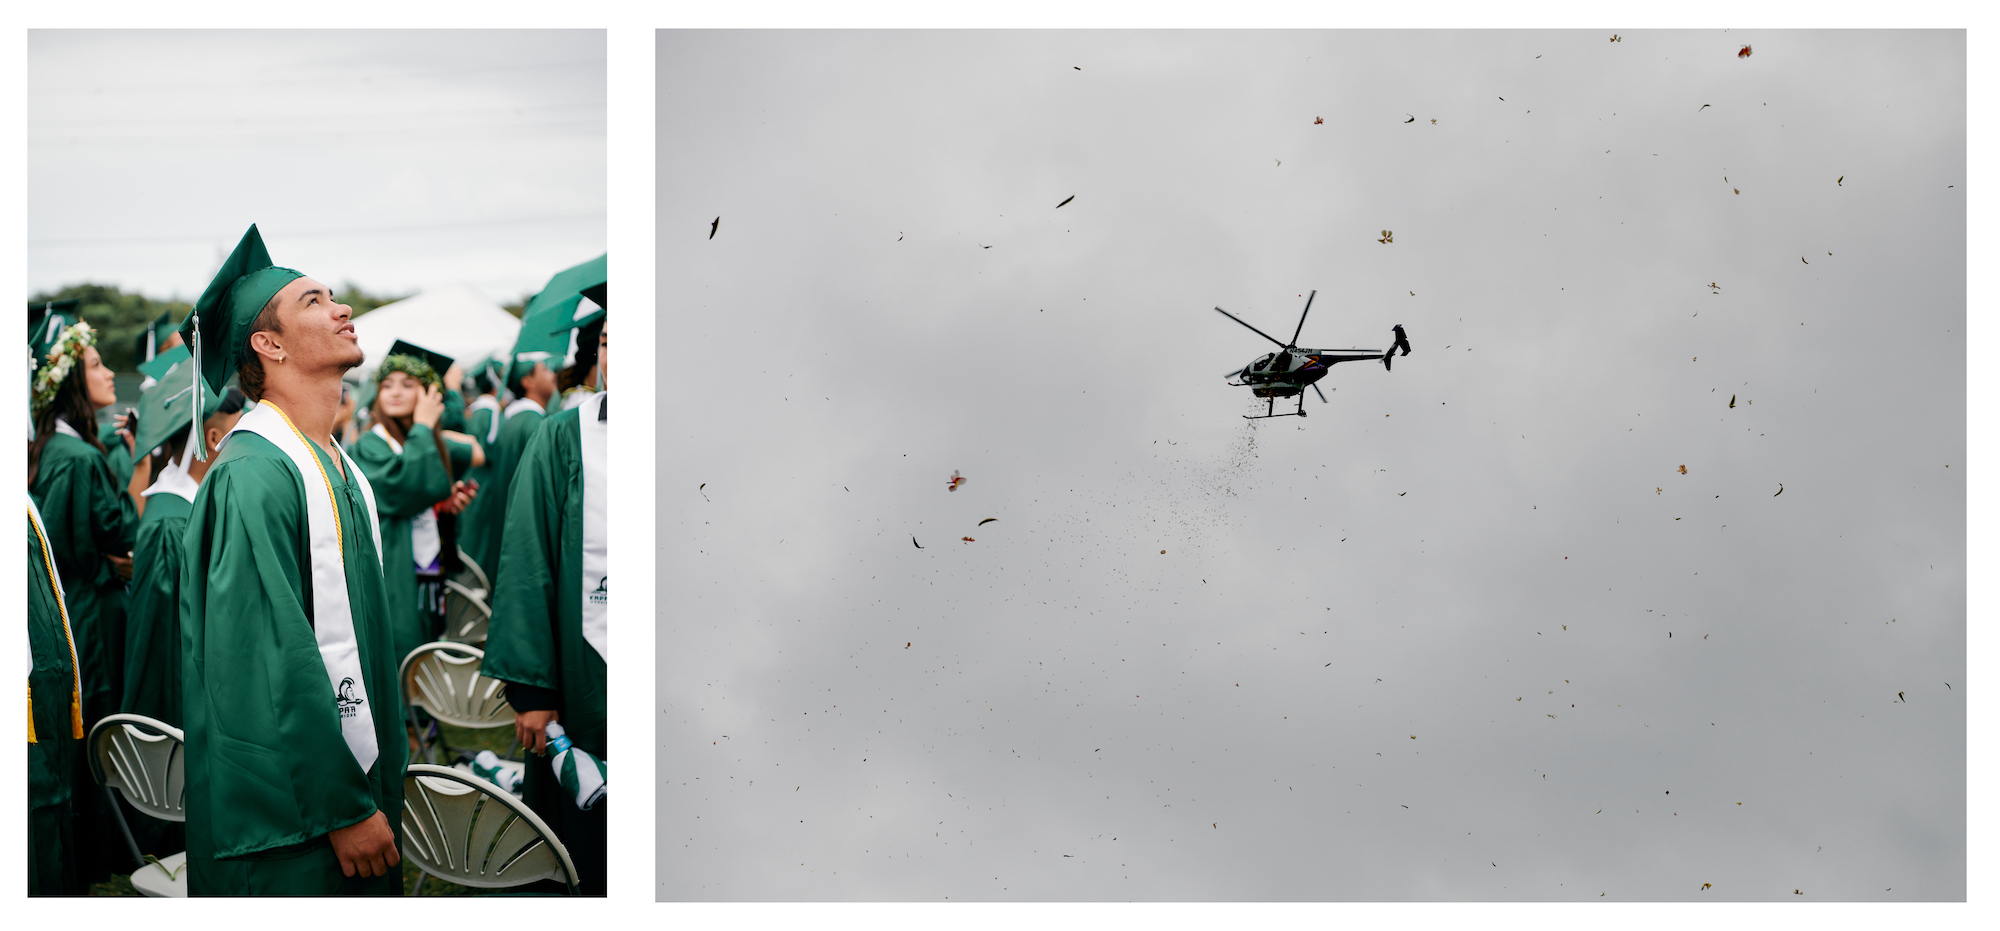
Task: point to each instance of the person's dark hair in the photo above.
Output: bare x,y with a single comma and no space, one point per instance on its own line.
517,375
586,355
71,403
251,373
399,429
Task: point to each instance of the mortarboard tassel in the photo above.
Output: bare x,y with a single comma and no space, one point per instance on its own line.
194,421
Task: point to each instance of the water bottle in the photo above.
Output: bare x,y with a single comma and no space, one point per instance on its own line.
580,774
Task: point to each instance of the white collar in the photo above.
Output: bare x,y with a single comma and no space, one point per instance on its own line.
523,404
174,479
62,426
383,432
484,402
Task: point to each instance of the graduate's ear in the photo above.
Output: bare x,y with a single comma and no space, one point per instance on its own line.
212,436
265,344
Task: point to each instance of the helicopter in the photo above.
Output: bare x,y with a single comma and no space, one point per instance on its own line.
1288,372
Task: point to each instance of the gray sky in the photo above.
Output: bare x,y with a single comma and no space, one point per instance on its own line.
1413,647
399,160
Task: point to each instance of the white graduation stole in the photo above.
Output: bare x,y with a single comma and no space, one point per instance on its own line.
487,402
593,436
333,618
425,543
520,405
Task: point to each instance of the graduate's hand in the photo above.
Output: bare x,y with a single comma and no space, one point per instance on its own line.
123,564
461,495
365,848
529,729
454,376
430,406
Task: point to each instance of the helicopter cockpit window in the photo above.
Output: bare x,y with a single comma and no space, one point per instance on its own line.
1262,363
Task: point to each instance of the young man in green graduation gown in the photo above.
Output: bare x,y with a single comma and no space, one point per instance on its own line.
547,636
55,723
295,746
534,384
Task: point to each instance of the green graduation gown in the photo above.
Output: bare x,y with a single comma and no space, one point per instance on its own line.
268,771
536,637
85,514
407,483
55,730
485,518
153,611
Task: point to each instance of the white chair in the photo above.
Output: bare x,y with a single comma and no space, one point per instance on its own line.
145,760
473,577
465,613
443,678
463,829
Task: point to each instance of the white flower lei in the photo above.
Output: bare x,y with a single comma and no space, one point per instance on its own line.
62,357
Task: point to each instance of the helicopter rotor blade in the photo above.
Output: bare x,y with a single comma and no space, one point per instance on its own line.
1302,319
1251,328
1322,394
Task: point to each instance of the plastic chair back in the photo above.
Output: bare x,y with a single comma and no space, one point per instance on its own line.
144,759
463,829
473,577
443,678
465,614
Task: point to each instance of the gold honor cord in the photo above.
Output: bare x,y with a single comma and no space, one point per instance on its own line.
339,543
76,672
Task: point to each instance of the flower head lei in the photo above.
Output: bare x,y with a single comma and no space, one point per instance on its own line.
63,356
409,365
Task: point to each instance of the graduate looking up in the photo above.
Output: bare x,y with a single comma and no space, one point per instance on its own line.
295,746
410,460
547,636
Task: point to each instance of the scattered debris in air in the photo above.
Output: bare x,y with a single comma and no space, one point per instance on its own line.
988,521
712,227
1684,470
913,542
1389,237
1745,53
1065,201
956,479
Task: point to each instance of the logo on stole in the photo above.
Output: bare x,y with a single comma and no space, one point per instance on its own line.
344,698
598,596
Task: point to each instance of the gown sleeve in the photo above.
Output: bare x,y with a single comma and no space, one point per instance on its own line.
265,741
521,640
461,457
404,484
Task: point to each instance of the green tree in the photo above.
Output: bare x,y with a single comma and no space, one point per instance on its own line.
118,317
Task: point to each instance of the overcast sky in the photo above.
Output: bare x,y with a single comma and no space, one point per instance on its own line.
1468,632
398,160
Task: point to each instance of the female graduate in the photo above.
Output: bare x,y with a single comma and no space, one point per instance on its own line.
410,462
83,510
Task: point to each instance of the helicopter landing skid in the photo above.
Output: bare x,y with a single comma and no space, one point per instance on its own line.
1272,406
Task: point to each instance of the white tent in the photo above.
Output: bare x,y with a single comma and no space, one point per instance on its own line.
456,321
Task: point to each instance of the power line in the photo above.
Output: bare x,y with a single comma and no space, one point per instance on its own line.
334,79
340,137
318,117
323,234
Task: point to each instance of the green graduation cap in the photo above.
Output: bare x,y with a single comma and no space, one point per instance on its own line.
224,314
169,406
219,326
46,321
153,339
157,368
562,291
558,309
438,362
